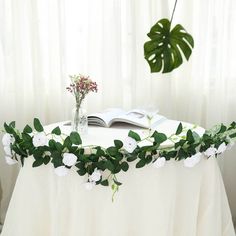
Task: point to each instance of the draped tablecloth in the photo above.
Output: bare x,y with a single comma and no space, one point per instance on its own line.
170,201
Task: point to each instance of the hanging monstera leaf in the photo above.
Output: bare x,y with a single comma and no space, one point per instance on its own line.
166,49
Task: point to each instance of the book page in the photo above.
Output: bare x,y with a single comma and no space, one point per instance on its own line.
140,118
107,116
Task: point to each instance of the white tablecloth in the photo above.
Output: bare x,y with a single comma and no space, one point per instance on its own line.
170,201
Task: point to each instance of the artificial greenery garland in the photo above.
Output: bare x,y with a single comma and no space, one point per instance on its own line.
94,160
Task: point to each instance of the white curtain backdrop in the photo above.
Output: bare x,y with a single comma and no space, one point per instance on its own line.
42,42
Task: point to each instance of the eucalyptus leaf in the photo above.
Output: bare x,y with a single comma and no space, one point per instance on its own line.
165,51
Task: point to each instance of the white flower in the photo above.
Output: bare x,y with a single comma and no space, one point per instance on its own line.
160,162
61,171
10,161
221,148
130,144
40,139
193,160
69,159
95,176
7,150
211,151
89,185
7,139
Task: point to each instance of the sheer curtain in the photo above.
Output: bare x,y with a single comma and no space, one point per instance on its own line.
42,42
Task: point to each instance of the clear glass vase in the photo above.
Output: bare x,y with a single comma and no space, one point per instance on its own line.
79,120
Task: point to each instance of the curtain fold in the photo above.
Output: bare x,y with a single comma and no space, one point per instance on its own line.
42,42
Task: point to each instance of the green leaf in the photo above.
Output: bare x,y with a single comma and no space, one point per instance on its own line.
8,129
159,137
75,138
52,143
109,165
112,151
59,146
118,144
134,135
179,129
13,124
27,129
105,182
124,166
26,137
131,157
190,137
56,131
67,143
38,162
223,128
37,125
182,154
166,48
148,159
46,160
141,163
82,171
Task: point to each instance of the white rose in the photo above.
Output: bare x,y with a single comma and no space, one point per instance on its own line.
130,144
10,161
7,150
221,148
89,185
61,171
40,139
7,139
193,160
95,176
69,159
211,151
160,162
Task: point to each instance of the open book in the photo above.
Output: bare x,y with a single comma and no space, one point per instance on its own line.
135,117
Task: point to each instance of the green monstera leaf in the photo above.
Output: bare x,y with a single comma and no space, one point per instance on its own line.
165,51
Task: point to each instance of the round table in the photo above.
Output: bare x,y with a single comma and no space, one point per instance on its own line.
170,201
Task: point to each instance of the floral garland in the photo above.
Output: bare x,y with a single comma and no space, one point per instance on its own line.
102,164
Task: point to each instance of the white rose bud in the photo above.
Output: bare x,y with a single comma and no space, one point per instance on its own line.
69,159
61,171
40,139
130,144
211,151
7,139
10,161
89,185
160,162
221,148
95,176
